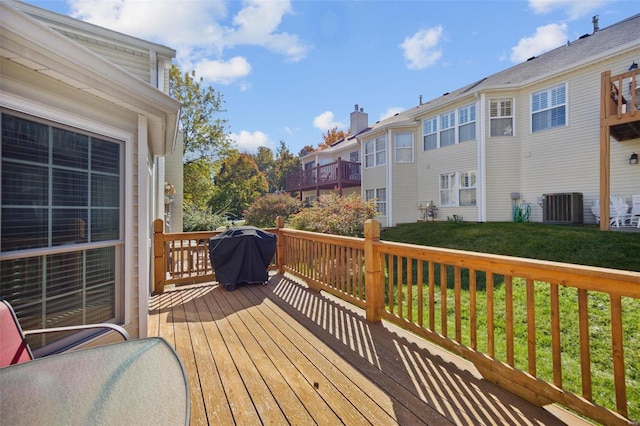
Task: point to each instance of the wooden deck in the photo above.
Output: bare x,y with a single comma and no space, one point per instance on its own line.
282,354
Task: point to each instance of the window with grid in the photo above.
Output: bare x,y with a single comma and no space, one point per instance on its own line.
548,108
429,134
404,147
61,196
501,116
375,152
467,120
380,197
354,156
458,189
447,129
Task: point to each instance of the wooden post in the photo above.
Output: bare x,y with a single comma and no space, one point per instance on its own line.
280,246
605,150
374,283
159,261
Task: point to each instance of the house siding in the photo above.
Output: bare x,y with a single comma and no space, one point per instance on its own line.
402,198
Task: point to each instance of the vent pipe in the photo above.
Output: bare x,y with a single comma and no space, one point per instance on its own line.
594,21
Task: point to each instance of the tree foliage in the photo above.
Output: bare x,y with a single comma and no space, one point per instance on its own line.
264,210
333,214
332,136
285,163
203,129
237,184
198,183
266,164
202,219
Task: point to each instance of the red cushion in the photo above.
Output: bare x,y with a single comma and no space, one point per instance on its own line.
13,346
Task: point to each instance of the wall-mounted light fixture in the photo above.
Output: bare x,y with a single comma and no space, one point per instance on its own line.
633,159
633,66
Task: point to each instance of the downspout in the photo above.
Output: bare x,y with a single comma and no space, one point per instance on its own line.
389,183
481,185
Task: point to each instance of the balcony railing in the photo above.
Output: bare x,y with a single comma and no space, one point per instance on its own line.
337,175
621,104
501,313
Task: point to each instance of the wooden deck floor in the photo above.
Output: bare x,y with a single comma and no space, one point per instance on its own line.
281,354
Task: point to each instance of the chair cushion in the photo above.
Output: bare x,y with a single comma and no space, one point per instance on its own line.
13,346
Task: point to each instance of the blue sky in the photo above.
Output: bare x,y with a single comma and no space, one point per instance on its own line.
291,70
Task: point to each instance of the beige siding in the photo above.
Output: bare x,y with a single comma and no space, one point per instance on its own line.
503,164
567,159
174,174
402,201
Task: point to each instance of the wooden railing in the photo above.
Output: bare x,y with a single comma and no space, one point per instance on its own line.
338,174
529,326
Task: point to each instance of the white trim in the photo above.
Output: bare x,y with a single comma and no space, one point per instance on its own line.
481,167
389,179
144,244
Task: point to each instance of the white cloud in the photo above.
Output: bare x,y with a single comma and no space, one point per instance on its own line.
223,72
422,49
573,8
250,141
546,38
391,112
197,29
326,121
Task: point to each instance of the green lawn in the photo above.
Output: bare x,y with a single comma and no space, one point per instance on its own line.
585,245
581,245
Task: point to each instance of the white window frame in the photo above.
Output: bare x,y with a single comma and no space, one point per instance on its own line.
354,156
448,125
62,120
429,130
550,101
380,197
453,184
404,153
375,152
466,117
501,110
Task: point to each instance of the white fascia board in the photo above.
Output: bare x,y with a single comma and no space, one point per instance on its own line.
34,45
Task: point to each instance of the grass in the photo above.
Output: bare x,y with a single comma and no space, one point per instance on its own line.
580,245
571,244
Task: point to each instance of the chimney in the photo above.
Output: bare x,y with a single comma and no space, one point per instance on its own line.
420,99
594,21
359,120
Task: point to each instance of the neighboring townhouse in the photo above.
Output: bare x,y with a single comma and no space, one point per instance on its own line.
89,138
336,168
529,134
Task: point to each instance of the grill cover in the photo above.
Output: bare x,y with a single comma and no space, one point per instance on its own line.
242,255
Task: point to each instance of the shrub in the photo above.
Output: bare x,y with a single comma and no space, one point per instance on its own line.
264,210
333,214
202,220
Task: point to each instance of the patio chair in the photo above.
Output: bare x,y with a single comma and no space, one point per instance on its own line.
635,210
14,348
620,213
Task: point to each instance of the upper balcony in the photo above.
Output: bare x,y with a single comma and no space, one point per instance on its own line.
620,104
337,175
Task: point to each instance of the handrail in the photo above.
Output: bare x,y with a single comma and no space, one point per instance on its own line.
510,316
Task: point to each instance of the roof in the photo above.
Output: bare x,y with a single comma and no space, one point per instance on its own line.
34,45
589,48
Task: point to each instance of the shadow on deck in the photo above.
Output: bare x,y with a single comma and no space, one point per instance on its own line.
282,354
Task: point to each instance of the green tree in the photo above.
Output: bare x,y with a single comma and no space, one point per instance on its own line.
285,163
266,164
237,184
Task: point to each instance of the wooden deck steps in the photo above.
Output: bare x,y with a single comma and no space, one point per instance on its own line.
282,354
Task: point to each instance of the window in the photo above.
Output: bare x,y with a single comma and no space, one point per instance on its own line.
448,133
447,129
548,108
60,194
380,196
501,115
467,120
458,189
430,134
404,148
354,156
375,152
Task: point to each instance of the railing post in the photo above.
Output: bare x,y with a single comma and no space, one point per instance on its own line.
280,244
159,261
374,283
